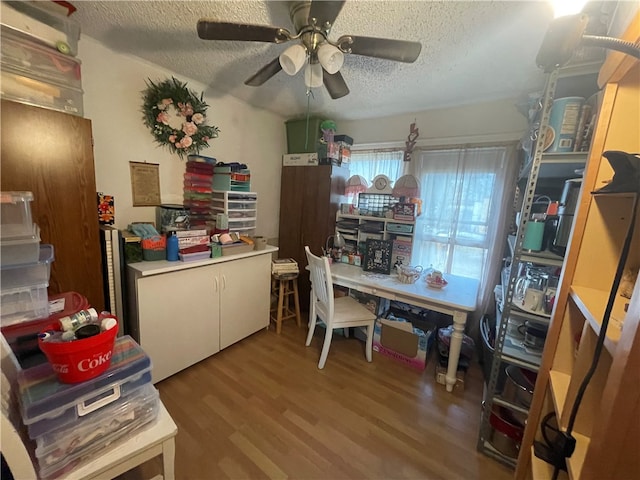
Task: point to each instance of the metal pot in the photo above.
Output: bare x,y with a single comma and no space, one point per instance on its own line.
518,388
506,432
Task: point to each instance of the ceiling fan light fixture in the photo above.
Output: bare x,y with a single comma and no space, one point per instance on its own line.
330,57
293,58
313,75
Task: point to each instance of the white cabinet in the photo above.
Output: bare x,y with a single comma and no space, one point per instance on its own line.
182,313
244,298
179,318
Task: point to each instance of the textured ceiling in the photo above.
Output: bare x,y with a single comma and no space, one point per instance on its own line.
472,51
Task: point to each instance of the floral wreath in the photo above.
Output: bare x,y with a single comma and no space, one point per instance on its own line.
176,117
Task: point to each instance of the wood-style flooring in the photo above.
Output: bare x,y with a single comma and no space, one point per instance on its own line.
262,409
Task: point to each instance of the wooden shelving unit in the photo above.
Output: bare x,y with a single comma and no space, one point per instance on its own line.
606,427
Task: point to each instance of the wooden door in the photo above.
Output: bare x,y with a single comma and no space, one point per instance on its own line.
50,154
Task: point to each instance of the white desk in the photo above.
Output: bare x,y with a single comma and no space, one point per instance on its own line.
457,299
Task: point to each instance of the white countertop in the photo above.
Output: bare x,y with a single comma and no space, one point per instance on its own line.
163,266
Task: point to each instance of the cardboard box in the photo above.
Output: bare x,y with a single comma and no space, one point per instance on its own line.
300,160
402,341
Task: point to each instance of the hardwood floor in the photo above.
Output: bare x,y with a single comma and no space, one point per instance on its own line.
262,409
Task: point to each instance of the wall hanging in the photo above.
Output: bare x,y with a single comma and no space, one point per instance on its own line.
176,117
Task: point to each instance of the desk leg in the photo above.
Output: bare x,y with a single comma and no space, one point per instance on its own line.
459,321
168,458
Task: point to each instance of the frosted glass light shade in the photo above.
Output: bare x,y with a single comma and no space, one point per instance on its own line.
330,57
292,59
313,75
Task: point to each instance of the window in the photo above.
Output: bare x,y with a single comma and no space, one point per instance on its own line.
372,163
462,191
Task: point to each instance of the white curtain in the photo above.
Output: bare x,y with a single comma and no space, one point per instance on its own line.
467,194
372,163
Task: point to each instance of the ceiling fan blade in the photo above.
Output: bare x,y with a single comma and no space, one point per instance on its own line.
336,86
265,73
213,30
325,11
398,50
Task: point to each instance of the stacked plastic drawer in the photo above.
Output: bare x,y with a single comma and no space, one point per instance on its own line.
38,64
73,423
25,264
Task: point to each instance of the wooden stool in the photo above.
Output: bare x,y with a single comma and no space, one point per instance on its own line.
284,286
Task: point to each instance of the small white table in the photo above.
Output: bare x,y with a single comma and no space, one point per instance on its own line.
457,299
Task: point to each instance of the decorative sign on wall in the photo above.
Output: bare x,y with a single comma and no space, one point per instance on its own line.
377,256
145,184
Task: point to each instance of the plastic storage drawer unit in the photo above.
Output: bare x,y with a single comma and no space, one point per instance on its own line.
47,404
15,214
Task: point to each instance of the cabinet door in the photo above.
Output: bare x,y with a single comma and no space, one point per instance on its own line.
51,154
179,318
244,298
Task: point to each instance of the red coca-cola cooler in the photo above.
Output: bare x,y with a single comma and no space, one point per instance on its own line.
23,337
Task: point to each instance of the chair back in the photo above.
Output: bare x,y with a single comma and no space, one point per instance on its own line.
321,287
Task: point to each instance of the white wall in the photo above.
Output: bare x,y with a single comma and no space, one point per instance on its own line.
113,83
479,123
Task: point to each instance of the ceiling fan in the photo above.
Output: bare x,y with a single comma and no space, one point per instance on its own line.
312,21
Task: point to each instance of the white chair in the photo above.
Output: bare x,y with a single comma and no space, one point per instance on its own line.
343,312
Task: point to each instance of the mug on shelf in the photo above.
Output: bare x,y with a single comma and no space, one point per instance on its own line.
533,299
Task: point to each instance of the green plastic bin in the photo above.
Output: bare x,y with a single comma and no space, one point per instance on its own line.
301,139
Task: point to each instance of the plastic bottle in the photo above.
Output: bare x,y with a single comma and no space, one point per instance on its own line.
172,248
72,322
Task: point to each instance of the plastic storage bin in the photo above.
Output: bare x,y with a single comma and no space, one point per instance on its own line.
61,451
48,404
23,87
21,250
28,274
39,61
24,304
15,214
43,25
303,137
23,337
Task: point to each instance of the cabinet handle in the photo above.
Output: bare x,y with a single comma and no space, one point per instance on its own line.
215,284
224,282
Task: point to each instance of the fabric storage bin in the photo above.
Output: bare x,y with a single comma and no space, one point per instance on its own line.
36,60
28,274
41,24
24,304
22,249
23,87
47,404
15,214
61,451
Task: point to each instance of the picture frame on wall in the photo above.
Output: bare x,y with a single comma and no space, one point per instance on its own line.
377,256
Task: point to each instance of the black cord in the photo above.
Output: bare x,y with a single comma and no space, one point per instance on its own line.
603,327
612,44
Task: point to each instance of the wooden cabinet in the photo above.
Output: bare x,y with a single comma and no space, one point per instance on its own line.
309,200
182,314
606,426
51,154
